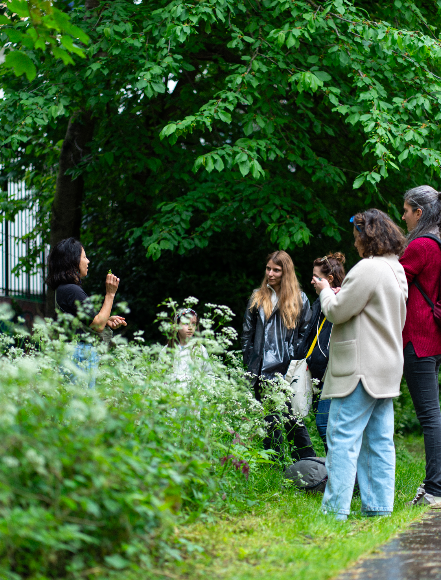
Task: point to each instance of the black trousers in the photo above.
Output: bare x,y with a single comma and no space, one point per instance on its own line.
422,379
283,426
297,437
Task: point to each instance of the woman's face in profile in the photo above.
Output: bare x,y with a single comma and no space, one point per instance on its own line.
317,273
84,264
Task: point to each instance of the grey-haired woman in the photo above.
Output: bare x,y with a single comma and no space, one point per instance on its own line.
421,335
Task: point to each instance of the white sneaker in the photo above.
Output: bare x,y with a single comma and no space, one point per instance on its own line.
424,498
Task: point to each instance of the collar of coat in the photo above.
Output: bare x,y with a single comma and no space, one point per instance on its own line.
274,301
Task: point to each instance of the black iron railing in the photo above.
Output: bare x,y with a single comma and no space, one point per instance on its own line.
15,247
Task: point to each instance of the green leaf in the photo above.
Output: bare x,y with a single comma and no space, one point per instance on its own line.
224,116
281,38
209,165
167,130
403,155
63,55
248,129
359,181
159,87
67,42
244,167
256,169
290,41
20,62
20,7
353,118
108,157
219,165
322,75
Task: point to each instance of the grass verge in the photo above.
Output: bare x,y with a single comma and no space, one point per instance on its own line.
284,535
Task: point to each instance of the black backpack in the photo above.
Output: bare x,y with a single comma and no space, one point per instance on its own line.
308,474
436,308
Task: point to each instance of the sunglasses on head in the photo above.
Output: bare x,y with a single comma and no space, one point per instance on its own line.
352,221
325,259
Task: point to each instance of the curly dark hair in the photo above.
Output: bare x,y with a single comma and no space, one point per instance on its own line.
333,264
378,234
64,263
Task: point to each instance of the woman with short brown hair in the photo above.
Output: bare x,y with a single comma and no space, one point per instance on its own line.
365,368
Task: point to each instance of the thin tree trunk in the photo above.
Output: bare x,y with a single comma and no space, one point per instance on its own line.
67,205
68,199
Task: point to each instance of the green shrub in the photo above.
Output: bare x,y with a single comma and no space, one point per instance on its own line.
98,478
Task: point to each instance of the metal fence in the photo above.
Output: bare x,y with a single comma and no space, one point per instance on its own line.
14,246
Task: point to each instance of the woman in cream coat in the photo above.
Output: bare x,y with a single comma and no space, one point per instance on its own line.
365,368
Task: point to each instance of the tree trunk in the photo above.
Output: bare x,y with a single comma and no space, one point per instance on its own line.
66,208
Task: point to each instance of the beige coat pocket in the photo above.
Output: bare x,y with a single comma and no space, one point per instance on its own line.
344,358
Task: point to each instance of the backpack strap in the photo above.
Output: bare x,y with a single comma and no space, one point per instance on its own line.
429,302
417,284
431,237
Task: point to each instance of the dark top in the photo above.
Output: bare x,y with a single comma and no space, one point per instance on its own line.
318,359
267,345
67,296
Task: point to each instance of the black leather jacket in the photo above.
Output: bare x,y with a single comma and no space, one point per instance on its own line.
318,359
267,345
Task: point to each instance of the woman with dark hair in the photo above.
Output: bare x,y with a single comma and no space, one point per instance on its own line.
422,336
67,266
274,323
330,267
365,368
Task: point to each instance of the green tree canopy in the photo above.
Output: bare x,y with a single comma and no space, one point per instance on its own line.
194,124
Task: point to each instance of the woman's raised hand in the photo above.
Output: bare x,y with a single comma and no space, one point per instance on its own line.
320,284
112,283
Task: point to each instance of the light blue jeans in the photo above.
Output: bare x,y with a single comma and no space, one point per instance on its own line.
86,358
360,441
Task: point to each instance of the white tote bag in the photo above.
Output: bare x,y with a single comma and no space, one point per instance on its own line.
300,380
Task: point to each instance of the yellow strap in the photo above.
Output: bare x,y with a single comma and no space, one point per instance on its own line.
315,339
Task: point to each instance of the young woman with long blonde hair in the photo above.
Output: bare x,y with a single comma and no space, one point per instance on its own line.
274,323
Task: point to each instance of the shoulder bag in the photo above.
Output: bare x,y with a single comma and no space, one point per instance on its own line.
300,380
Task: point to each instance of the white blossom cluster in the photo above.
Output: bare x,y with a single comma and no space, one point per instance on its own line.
205,381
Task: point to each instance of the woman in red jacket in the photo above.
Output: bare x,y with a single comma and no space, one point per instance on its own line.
421,335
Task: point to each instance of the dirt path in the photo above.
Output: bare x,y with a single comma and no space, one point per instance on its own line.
413,555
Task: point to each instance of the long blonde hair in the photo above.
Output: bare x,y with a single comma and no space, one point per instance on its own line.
290,299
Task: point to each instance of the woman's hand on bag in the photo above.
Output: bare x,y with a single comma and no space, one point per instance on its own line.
115,322
320,284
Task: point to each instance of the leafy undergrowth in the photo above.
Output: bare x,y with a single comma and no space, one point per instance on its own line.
160,469
284,535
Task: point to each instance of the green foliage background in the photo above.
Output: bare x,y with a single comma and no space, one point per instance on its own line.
223,130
